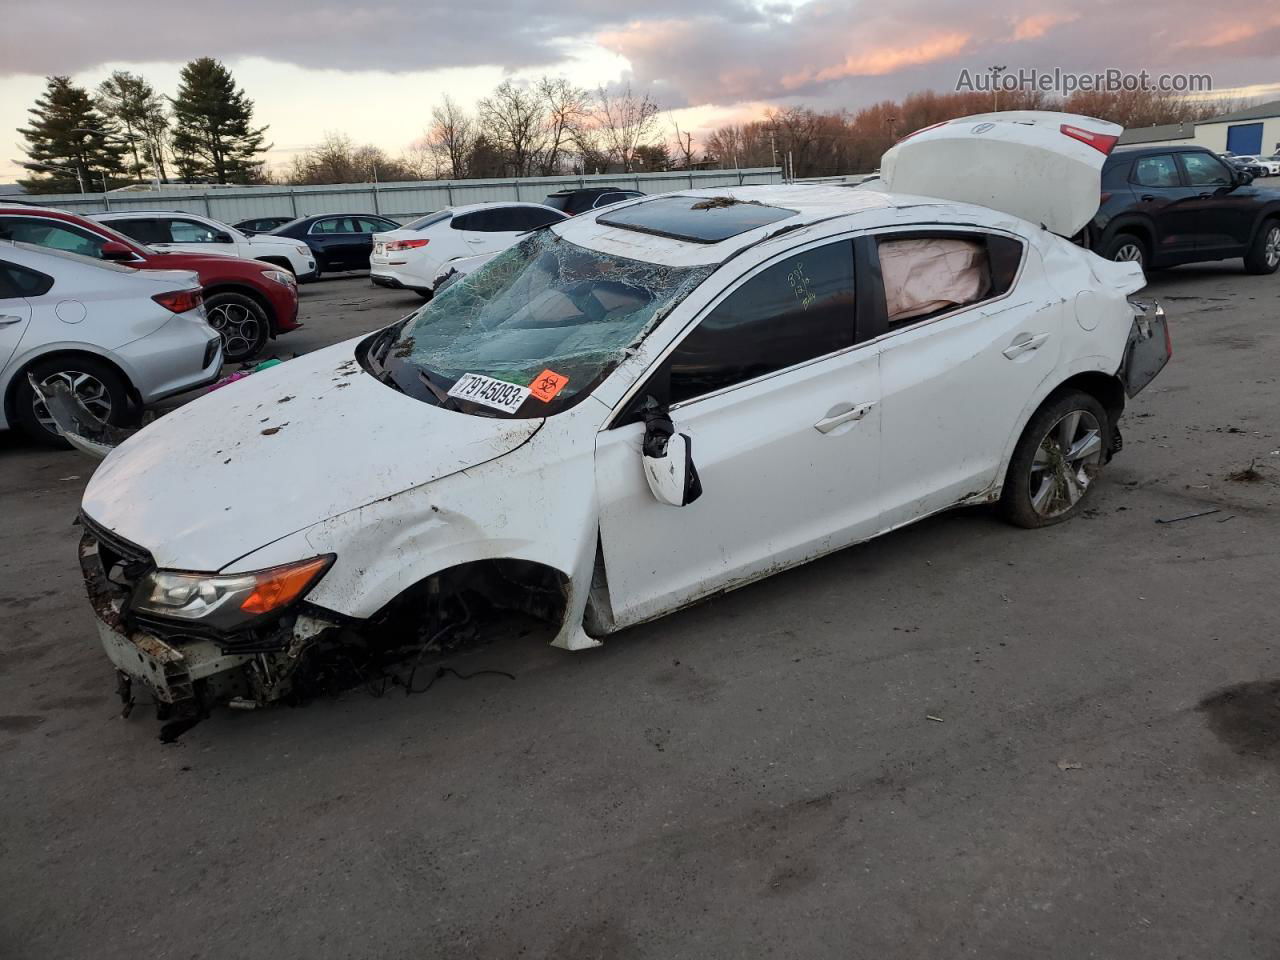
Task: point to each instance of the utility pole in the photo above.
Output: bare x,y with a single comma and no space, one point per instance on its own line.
995,83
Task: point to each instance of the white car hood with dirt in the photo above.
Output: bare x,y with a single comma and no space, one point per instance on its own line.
277,452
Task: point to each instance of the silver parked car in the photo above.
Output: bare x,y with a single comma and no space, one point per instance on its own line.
116,337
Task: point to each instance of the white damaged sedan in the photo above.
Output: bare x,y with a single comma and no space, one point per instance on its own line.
632,410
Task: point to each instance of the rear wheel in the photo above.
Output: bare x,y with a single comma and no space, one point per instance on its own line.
1056,461
98,385
1127,248
1264,252
242,323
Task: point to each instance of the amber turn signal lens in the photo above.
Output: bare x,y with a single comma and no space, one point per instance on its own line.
280,586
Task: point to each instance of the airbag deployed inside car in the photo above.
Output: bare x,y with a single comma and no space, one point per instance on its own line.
925,276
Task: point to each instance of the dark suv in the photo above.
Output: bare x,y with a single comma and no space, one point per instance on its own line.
574,202
1162,206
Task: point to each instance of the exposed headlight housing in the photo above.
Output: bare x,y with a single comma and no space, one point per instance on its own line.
226,601
280,276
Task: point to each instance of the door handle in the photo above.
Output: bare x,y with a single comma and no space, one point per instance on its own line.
1204,196
1146,198
1023,343
8,320
854,413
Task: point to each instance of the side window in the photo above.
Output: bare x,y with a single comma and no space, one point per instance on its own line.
534,217
1204,170
50,233
373,225
927,276
463,222
795,310
143,230
191,231
483,221
16,281
333,225
1156,172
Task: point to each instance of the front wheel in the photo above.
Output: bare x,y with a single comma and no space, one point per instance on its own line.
1056,461
242,323
1127,248
1264,253
97,385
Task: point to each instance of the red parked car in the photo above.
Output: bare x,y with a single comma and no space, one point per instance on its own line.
247,301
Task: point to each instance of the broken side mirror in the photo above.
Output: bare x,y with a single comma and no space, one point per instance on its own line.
668,458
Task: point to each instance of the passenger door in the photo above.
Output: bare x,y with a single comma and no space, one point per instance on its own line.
783,415
964,350
1224,214
16,284
1166,201
336,242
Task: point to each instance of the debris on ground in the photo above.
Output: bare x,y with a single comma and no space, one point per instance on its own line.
929,716
1187,516
1250,474
1065,765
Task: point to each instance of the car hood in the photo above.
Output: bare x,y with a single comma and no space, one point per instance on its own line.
277,452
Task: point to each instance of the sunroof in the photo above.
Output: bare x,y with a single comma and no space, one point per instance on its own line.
696,219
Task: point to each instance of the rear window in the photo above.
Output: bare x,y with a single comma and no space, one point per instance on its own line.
429,220
695,219
558,200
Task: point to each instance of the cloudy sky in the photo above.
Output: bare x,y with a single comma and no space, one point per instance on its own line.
374,68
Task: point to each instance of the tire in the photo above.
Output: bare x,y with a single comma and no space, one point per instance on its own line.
97,383
1128,247
1264,253
1043,485
242,323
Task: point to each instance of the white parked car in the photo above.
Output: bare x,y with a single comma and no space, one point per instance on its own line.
167,230
410,258
1270,164
629,411
110,333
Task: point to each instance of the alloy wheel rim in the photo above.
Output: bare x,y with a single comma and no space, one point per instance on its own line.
1129,253
1065,463
238,327
1271,250
91,391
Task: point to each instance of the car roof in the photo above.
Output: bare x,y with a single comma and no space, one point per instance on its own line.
808,205
491,204
570,191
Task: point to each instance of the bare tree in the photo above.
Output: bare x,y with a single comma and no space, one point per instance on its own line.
568,110
684,146
513,118
625,121
452,135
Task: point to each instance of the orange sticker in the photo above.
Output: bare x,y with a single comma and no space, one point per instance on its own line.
547,384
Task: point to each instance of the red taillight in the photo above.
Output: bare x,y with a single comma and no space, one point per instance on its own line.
179,301
394,245
1168,340
1103,198
1102,142
932,126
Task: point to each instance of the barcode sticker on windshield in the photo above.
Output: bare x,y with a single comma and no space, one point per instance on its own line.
498,394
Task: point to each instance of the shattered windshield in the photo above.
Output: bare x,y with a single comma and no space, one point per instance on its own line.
534,329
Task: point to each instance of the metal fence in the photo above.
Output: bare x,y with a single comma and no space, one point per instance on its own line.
397,200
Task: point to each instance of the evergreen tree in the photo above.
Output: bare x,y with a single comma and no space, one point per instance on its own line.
214,137
130,101
68,133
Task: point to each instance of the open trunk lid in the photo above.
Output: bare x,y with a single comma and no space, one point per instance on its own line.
1042,166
